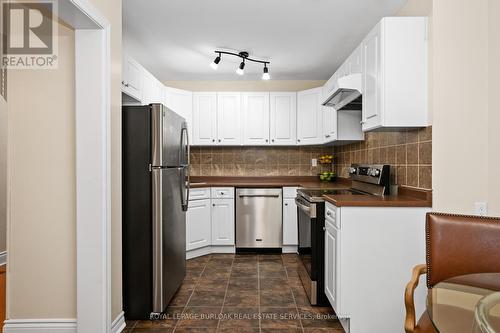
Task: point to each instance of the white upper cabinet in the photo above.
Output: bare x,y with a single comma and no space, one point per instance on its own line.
395,74
181,102
152,89
283,120
255,118
132,74
329,123
229,118
309,117
204,118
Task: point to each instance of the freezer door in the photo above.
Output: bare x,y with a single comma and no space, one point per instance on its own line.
168,138
169,236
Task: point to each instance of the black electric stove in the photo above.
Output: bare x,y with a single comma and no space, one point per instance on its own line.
366,180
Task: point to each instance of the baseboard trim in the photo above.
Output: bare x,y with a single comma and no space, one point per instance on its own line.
210,249
3,258
40,326
290,249
118,324
54,325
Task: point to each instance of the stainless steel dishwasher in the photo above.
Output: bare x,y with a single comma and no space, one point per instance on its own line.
259,218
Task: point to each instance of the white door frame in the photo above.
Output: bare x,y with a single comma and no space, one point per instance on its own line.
93,166
93,178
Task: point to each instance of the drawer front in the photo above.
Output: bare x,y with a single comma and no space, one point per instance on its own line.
199,193
289,192
332,215
222,192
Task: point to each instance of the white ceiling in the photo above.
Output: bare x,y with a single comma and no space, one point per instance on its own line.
303,39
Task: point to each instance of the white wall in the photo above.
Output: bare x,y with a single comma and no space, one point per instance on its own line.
42,217
461,103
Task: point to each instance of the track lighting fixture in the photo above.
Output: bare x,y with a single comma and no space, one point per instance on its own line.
241,68
215,64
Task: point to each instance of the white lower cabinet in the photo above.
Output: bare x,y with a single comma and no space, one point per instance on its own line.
290,231
331,252
369,256
222,215
198,224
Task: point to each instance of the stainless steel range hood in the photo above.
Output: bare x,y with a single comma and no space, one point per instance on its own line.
346,93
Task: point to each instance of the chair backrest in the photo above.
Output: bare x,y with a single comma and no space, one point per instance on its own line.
460,244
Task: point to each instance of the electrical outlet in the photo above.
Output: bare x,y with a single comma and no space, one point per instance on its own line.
481,208
314,162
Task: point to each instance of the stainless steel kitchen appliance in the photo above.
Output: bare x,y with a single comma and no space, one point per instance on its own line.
259,218
365,180
155,161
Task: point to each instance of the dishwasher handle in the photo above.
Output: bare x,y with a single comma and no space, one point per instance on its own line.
259,195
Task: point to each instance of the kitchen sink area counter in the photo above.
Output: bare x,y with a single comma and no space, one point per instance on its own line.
309,182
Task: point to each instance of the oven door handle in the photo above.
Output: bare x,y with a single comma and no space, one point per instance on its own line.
310,211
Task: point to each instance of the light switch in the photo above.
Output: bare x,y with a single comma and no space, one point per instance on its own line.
314,162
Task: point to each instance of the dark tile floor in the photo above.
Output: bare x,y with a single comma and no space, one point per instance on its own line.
244,293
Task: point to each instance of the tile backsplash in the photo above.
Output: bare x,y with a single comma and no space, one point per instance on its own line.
257,161
409,152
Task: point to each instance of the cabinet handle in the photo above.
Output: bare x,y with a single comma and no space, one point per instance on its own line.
329,214
327,135
272,140
126,84
267,140
213,140
213,205
298,140
123,82
286,204
219,140
362,122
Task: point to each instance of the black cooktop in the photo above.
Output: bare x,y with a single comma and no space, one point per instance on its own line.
316,195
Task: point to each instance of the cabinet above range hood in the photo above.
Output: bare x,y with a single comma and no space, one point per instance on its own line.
346,93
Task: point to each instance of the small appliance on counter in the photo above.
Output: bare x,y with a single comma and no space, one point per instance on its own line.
155,198
366,180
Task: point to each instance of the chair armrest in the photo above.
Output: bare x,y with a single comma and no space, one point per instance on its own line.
410,320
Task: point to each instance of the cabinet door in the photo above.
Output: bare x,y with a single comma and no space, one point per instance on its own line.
181,102
152,89
198,225
204,118
331,243
256,118
132,78
283,124
329,123
290,229
309,117
371,116
229,118
222,222
356,60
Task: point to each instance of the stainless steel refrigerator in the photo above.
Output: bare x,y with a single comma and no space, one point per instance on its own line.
155,174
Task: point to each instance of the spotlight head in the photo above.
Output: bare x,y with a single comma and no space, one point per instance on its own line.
215,64
241,68
265,75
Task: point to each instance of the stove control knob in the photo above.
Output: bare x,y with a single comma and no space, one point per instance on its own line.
352,171
375,172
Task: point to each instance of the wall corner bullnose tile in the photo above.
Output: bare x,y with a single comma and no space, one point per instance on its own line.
3,258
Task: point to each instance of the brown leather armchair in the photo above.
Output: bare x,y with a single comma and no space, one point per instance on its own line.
455,245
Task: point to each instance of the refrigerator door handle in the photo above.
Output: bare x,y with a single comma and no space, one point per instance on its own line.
157,197
185,180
